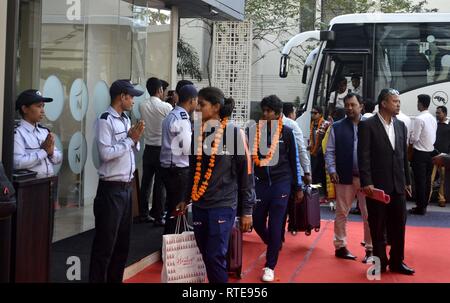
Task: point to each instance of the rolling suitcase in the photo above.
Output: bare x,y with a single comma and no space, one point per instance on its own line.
234,255
305,216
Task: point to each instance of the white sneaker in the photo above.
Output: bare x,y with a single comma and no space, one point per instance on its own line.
268,275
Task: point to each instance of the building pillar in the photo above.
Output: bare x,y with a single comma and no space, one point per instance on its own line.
9,89
174,24
3,10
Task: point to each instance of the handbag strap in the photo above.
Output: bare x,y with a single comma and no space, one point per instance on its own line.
181,220
177,228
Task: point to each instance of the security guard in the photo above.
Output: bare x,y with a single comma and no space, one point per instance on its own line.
116,141
175,150
34,144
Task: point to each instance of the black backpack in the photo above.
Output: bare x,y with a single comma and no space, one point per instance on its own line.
7,191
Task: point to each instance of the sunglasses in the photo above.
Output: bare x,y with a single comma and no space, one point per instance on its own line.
392,91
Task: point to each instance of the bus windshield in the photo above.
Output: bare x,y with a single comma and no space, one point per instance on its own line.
310,64
410,56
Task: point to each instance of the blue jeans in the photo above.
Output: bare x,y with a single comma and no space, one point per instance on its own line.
272,203
212,228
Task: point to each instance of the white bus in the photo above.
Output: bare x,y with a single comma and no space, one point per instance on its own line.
407,52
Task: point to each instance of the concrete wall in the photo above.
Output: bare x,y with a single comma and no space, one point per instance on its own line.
265,75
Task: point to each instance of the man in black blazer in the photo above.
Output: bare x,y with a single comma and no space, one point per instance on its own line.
383,164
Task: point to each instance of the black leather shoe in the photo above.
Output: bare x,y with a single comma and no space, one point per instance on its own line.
343,253
402,269
382,270
355,211
417,211
160,223
367,256
146,219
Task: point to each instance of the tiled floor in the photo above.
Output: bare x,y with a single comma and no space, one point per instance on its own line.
71,221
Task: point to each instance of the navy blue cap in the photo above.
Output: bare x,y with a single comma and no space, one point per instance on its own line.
29,97
124,87
187,92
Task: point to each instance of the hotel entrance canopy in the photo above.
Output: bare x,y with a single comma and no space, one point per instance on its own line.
217,10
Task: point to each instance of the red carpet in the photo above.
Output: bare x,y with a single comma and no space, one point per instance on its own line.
311,259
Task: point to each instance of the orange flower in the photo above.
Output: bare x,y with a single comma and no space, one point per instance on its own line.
273,146
314,148
197,192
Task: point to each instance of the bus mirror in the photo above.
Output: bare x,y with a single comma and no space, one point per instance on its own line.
303,107
327,35
284,66
305,74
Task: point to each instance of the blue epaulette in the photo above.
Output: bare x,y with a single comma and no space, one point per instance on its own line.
104,116
41,126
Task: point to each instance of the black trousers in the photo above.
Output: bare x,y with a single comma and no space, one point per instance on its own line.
112,210
422,168
176,180
318,171
390,217
152,172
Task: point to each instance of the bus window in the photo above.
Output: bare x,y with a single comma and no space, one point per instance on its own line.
322,94
411,56
338,67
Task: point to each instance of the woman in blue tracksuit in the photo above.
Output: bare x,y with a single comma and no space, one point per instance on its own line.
277,173
221,182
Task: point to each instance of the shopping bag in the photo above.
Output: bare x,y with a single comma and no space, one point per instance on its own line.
182,260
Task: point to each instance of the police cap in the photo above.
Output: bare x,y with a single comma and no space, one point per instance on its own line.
123,87
187,92
29,97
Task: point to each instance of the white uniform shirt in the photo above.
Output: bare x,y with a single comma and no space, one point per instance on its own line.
357,90
303,153
389,130
115,148
423,132
176,139
407,120
367,115
339,99
153,112
28,153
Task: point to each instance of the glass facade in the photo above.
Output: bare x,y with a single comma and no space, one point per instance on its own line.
72,51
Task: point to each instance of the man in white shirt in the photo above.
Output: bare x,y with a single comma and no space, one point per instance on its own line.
117,141
356,85
423,136
369,108
336,101
305,168
153,112
289,121
382,164
407,120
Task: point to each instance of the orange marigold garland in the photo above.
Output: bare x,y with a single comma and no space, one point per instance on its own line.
273,146
197,192
314,148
